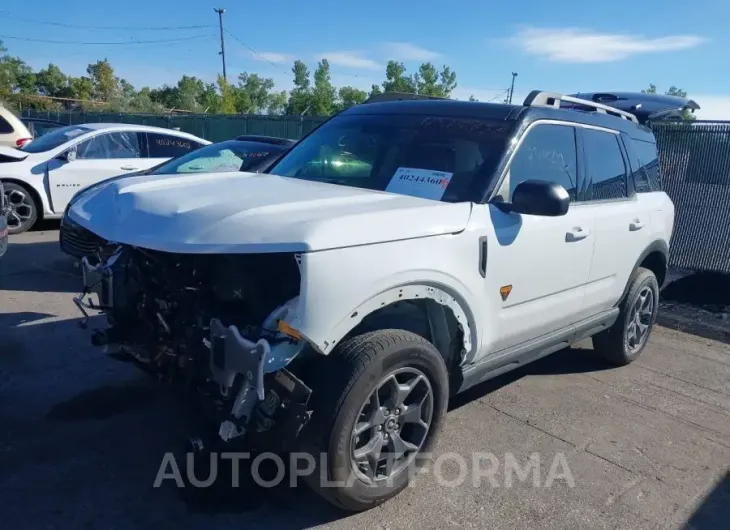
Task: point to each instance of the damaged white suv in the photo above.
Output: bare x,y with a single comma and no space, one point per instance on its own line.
401,253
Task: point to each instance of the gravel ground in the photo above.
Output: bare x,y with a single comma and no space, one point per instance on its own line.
82,437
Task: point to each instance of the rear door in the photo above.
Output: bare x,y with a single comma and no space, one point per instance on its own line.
622,222
162,147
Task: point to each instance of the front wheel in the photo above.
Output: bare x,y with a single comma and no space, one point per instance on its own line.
22,208
380,406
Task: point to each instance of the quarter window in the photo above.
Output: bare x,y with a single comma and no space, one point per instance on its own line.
122,144
606,171
548,153
648,178
168,146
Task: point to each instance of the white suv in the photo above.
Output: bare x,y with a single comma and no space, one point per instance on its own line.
401,253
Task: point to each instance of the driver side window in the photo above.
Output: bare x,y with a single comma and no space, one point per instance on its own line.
122,144
549,153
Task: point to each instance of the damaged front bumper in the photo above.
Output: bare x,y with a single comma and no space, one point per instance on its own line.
251,375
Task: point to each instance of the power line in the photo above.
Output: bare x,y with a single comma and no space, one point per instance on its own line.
7,14
179,39
502,93
249,48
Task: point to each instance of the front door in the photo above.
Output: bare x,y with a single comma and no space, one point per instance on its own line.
537,267
103,156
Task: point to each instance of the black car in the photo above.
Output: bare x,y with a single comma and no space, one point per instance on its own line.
249,153
37,127
645,107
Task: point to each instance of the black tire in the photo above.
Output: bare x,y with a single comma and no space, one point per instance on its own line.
615,343
23,210
349,377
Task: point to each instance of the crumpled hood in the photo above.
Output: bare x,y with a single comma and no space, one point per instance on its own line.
247,212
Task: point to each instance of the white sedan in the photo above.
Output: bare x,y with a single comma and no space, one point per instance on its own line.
41,176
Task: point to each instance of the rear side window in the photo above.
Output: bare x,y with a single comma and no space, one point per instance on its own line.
647,177
548,152
605,175
5,127
168,146
122,144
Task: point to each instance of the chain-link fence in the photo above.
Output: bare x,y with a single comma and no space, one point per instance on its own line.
695,164
213,127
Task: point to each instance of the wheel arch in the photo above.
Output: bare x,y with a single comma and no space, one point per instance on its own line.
655,257
446,312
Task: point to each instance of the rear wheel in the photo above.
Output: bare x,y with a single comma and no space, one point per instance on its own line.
22,208
381,404
623,342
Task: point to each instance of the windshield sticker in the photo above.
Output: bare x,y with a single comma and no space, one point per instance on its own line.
424,183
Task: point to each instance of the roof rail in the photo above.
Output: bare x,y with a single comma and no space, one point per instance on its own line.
397,96
537,98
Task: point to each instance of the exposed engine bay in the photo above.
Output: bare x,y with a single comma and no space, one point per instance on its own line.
211,324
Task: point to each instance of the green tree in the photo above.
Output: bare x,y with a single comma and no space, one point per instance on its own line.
210,99
278,102
673,91
431,82
300,98
254,93
349,96
51,81
81,87
375,90
228,97
472,98
324,94
106,87
396,79
16,77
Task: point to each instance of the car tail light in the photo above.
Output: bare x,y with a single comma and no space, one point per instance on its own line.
20,142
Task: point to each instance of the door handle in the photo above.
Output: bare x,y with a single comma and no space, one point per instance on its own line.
129,168
635,225
576,234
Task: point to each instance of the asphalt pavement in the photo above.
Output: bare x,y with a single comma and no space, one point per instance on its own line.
82,437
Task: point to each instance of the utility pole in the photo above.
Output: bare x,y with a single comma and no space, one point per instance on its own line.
512,88
222,53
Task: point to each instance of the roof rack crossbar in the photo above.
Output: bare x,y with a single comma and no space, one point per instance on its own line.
397,96
538,98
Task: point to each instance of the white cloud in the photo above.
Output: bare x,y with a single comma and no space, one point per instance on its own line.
350,59
273,57
575,45
406,51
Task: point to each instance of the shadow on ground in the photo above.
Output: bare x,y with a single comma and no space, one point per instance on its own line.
714,511
38,267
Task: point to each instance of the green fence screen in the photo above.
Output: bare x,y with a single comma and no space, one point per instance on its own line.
213,127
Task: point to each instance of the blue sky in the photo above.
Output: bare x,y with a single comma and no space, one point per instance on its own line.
552,46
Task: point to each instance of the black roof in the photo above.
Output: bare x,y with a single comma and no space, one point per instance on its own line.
496,111
265,139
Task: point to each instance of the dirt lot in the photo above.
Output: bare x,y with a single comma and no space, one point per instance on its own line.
82,437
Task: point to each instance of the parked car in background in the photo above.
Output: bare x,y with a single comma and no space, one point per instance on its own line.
645,107
3,222
250,153
41,176
38,126
13,133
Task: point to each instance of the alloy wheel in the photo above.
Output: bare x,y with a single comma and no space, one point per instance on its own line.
640,319
392,426
20,208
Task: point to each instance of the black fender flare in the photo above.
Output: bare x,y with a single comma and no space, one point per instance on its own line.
658,245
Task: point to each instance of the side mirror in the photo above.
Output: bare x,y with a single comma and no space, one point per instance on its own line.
67,156
539,197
